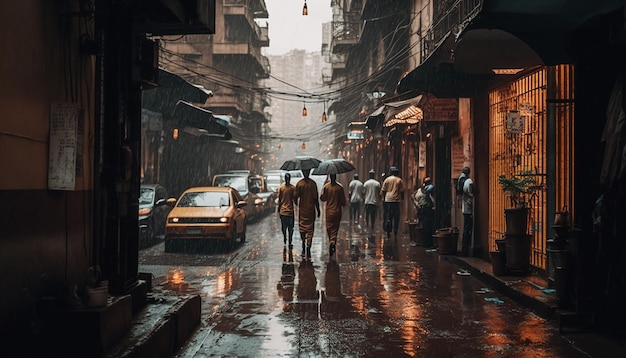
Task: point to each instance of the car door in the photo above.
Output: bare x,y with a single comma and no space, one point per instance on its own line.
160,209
239,213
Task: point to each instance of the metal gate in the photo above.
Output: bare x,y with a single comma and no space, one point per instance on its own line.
523,149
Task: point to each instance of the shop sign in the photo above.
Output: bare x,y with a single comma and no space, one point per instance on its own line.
515,122
356,134
440,109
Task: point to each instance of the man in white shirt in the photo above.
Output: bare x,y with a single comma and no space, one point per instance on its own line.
469,191
355,191
372,191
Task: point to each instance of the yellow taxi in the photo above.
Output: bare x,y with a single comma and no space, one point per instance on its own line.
205,214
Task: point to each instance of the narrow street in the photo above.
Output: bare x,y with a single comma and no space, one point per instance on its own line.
376,298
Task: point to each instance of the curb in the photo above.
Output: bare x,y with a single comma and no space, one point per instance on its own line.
167,335
542,309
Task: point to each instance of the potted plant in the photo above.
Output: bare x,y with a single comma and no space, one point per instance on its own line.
521,189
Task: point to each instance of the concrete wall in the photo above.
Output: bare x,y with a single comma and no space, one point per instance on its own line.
45,235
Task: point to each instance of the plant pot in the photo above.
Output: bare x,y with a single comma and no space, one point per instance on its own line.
498,263
501,244
447,242
415,232
561,218
518,253
97,296
516,221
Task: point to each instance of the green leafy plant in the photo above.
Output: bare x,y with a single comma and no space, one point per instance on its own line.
521,188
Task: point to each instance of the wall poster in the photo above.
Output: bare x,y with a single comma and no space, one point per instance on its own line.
65,146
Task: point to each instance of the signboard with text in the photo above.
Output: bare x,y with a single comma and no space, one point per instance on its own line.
440,109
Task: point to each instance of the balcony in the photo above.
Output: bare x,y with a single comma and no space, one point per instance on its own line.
254,9
346,32
226,101
338,64
244,54
262,35
178,17
266,66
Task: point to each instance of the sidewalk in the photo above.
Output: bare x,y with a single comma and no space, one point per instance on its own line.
533,292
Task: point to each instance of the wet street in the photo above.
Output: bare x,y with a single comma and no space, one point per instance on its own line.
377,298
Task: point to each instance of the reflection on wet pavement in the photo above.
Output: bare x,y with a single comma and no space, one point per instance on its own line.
378,297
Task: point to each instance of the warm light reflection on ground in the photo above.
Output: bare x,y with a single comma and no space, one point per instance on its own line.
175,280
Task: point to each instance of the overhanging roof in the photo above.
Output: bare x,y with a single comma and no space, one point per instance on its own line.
438,76
521,34
187,115
171,89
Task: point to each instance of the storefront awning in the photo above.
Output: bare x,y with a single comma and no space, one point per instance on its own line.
186,115
392,113
507,34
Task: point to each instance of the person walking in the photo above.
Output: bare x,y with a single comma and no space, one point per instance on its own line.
426,210
469,191
371,188
355,191
286,201
308,204
391,192
334,196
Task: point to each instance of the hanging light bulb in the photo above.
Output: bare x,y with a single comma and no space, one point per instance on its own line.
175,133
324,116
303,146
305,9
303,110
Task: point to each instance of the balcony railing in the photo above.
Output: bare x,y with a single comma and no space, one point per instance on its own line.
346,32
256,8
242,49
451,19
262,34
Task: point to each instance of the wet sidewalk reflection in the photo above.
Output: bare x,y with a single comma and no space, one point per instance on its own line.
378,297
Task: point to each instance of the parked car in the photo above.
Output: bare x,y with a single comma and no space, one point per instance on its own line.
268,195
205,213
275,178
248,185
152,213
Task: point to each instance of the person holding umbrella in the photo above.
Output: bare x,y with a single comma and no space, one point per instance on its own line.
335,197
308,203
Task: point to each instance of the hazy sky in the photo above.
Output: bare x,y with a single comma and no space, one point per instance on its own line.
289,30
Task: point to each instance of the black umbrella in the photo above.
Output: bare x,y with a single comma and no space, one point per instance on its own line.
302,162
333,166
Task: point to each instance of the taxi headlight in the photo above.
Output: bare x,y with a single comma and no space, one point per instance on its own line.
224,219
172,220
